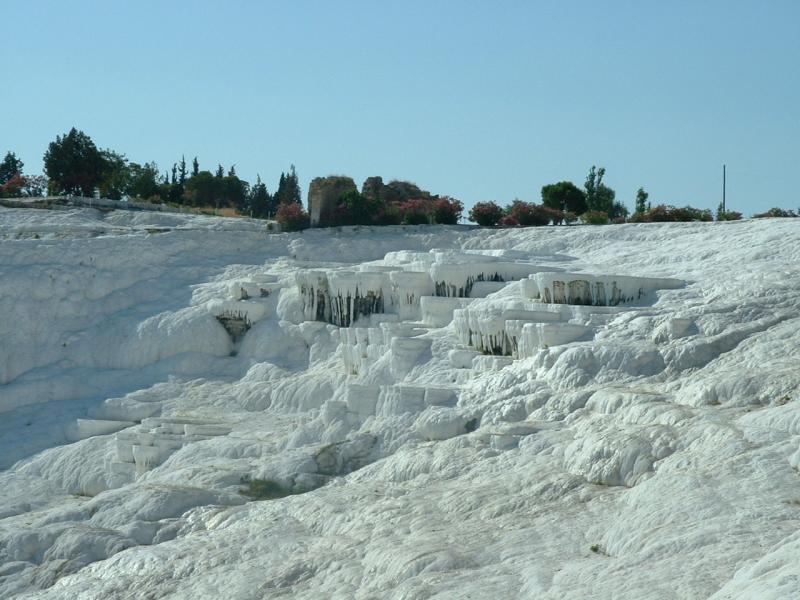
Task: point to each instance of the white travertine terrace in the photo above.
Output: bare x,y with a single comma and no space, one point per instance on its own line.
397,284
554,308
597,290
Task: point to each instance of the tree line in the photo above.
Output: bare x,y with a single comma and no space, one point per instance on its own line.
74,165
595,204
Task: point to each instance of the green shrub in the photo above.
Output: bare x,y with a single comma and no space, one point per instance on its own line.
528,214
595,217
729,215
775,212
598,549
353,208
665,213
447,211
292,217
264,489
416,212
508,221
389,215
687,214
486,214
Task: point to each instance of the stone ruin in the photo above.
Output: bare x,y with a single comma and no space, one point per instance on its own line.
324,194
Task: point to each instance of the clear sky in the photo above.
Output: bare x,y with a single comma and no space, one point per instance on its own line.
478,100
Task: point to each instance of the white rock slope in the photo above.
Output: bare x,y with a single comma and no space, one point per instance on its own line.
192,408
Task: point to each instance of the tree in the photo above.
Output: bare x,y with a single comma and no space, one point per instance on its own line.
220,172
605,199
173,189
618,213
564,196
195,167
143,181
281,191
641,200
593,179
234,192
599,197
10,166
204,189
177,186
115,177
293,186
73,164
486,214
259,199
288,191
182,172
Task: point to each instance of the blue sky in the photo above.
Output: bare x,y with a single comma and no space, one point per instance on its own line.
478,100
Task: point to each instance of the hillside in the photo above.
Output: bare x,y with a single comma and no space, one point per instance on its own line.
412,412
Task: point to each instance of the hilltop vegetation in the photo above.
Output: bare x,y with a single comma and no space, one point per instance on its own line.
74,165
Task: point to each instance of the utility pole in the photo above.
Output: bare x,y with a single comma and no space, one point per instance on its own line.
723,189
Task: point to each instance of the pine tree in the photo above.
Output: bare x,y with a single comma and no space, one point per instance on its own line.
182,171
232,171
174,174
195,167
220,172
259,200
294,195
10,166
280,193
288,191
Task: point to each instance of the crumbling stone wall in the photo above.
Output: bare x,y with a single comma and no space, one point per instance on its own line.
324,193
